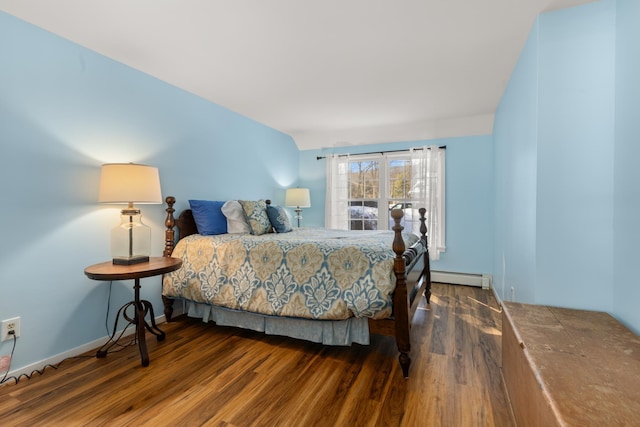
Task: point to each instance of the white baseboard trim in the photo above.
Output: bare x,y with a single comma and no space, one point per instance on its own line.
54,360
483,281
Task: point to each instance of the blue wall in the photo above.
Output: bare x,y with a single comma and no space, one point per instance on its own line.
65,110
569,116
576,82
515,180
626,224
469,197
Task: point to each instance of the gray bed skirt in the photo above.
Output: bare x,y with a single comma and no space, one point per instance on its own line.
328,332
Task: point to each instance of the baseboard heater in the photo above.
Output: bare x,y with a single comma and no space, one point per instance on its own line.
468,279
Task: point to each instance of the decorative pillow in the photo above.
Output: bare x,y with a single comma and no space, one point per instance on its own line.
208,217
279,219
236,222
256,215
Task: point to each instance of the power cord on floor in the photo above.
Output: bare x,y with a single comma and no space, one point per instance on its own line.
10,357
35,371
133,341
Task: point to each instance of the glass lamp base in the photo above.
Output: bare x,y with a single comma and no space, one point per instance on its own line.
131,240
136,259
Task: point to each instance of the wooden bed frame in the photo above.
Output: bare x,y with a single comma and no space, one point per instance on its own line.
413,277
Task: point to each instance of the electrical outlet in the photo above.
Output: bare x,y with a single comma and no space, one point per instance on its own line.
8,326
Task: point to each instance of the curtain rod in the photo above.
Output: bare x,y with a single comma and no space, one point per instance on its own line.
443,147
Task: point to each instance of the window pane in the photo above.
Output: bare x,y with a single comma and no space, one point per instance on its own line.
399,178
371,189
363,215
364,179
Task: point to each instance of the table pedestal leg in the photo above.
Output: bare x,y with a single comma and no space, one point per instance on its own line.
141,309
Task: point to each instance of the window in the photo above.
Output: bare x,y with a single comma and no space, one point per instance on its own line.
362,191
376,186
400,173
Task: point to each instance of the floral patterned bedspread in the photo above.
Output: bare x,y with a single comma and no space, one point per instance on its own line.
307,273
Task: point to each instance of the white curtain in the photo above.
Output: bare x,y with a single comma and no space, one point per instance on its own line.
428,191
337,202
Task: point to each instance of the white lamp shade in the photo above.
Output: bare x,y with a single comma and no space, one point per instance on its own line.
129,183
297,197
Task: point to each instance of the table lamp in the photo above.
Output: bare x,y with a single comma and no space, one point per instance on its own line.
297,198
130,183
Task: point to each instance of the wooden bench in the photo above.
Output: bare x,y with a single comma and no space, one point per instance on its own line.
565,367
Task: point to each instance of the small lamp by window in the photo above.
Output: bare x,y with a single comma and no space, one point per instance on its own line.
130,183
297,198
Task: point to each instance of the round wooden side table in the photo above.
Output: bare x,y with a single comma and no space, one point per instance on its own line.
107,271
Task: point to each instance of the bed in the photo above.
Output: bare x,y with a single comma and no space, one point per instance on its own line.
329,286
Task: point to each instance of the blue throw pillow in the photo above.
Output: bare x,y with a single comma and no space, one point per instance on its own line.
279,219
208,217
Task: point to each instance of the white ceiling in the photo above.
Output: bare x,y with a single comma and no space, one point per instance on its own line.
327,72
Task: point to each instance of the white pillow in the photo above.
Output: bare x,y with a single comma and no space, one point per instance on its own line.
236,221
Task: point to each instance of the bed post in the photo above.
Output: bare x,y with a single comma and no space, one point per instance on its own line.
169,223
427,264
169,243
400,299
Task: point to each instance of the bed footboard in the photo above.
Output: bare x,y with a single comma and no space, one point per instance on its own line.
406,296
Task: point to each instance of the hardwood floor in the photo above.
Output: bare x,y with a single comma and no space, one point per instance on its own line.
203,374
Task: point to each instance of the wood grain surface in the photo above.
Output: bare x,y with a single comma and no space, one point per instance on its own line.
570,367
203,374
110,271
